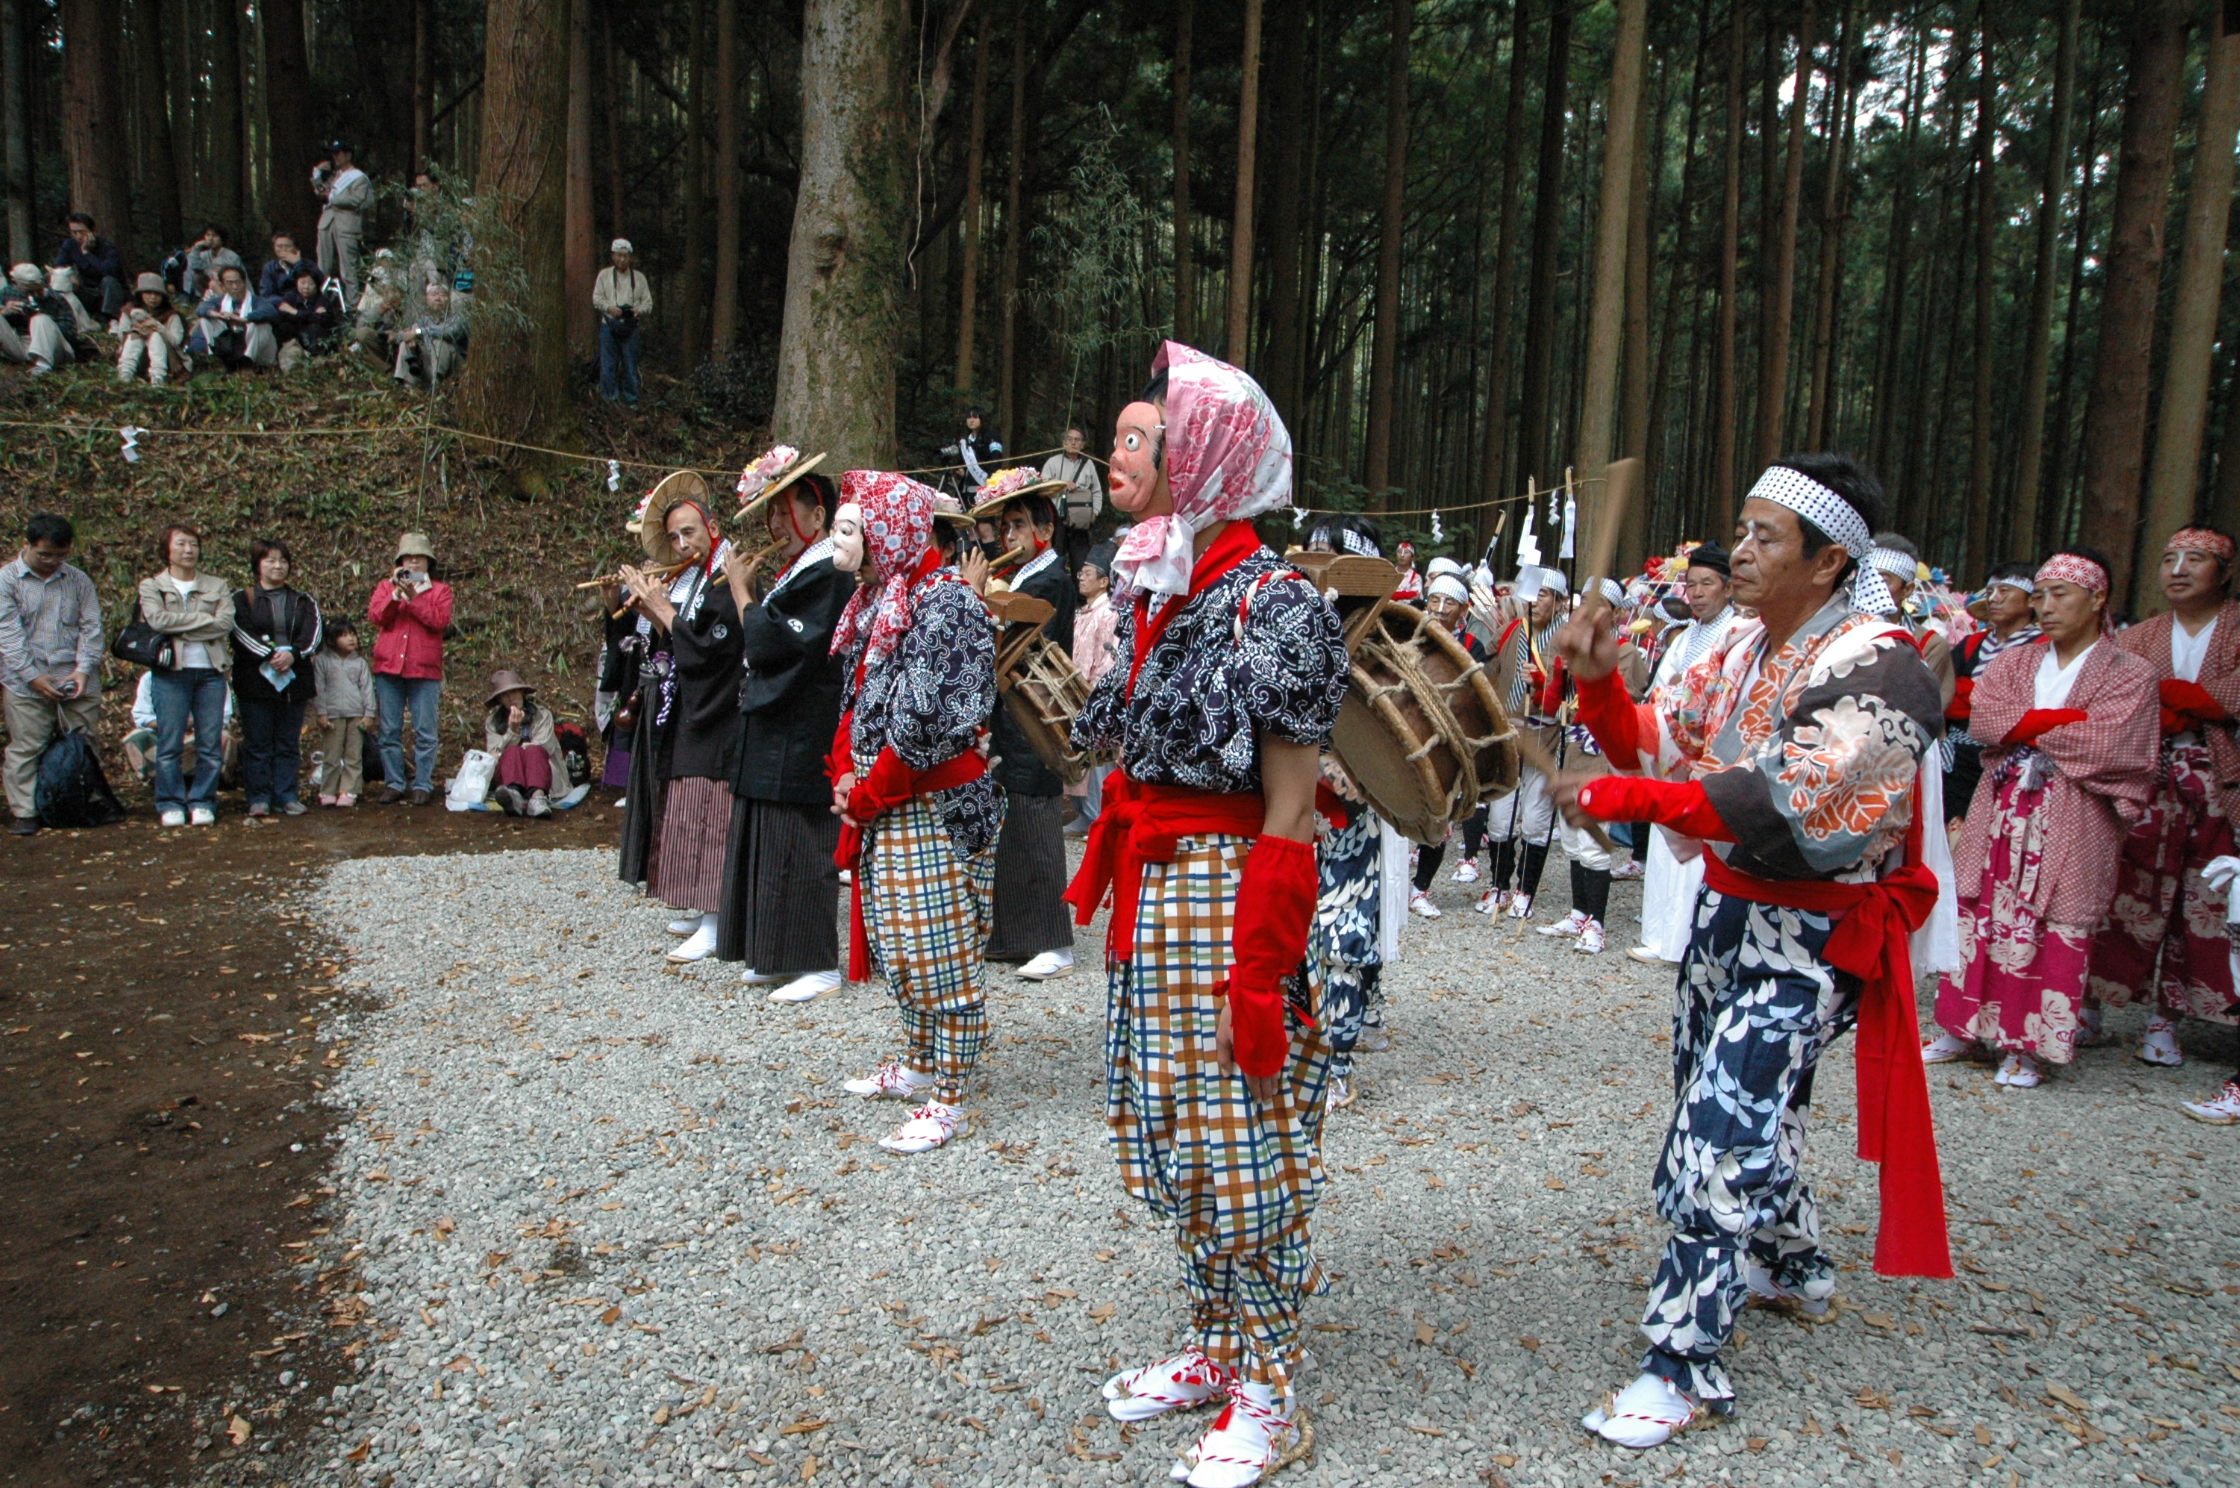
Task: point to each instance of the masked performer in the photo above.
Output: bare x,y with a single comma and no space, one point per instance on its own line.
920,812
1031,925
688,717
2072,768
2165,937
780,890
1232,668
1795,752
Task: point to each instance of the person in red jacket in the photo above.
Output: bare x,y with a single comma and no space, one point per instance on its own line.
410,610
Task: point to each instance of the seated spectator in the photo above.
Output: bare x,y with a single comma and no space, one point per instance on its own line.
520,733
308,319
431,348
97,269
35,321
279,272
346,712
381,310
195,267
151,334
235,326
620,294
140,744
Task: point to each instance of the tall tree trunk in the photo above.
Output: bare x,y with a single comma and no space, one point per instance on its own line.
1547,233
723,317
1985,359
1185,266
515,383
2224,503
1633,407
1239,345
1598,414
1014,238
1494,453
423,84
1726,491
692,323
2037,357
580,238
1891,315
1287,126
970,213
161,162
1384,344
15,122
288,114
2060,516
222,160
2173,482
2115,417
618,206
1773,362
1840,111
95,131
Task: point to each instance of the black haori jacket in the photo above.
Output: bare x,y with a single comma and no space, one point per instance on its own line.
1019,770
790,693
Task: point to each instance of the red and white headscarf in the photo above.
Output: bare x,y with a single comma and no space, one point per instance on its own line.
2075,568
897,538
2200,540
1228,457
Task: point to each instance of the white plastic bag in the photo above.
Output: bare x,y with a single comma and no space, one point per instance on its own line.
471,786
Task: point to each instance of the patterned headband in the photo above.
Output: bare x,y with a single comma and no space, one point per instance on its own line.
2200,540
1346,538
2074,568
2027,586
1839,519
1903,567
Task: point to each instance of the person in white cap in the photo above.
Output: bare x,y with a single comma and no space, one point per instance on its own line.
621,295
32,317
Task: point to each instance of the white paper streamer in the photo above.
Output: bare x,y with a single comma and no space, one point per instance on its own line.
1570,527
614,475
1438,533
130,434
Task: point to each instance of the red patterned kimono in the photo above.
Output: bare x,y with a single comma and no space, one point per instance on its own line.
2037,862
2165,933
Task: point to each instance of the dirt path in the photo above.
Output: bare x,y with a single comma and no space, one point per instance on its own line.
160,1170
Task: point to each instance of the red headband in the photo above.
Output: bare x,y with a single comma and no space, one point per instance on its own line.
2200,540
2073,568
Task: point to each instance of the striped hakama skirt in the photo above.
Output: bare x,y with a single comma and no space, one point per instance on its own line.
1238,1181
781,893
689,836
1031,913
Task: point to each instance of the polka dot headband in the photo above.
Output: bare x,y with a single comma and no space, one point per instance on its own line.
1841,521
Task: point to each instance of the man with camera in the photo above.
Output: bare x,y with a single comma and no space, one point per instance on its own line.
410,611
347,192
620,294
50,656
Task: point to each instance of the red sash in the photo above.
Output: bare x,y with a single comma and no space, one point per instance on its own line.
1873,922
1140,823
958,769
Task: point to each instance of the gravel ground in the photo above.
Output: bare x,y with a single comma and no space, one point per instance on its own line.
603,1222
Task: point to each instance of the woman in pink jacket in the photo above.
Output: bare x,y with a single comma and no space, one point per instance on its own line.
410,610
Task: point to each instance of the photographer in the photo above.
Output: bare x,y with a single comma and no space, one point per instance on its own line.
410,611
347,192
620,294
50,655
151,334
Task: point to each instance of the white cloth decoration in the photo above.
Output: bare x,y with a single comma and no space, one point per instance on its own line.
1570,527
614,475
130,434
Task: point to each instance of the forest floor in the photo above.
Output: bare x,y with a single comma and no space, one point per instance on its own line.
565,1215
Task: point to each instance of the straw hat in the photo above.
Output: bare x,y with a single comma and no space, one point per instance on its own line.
1007,486
760,482
650,522
503,681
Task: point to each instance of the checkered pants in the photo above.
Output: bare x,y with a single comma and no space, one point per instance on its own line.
927,910
1757,1008
1238,1182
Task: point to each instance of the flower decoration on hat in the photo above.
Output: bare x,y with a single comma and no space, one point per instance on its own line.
765,469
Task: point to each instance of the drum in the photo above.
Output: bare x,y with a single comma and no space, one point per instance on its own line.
1039,683
1421,730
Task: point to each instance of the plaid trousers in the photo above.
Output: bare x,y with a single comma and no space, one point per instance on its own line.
1757,1007
1239,1182
927,910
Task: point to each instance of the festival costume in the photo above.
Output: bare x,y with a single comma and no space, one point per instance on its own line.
780,888
1969,658
920,653
1669,886
2038,858
1799,768
1030,910
1216,649
2164,937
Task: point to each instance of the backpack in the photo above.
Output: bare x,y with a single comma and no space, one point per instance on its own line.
575,748
71,790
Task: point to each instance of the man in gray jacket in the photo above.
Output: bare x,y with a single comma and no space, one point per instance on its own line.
347,192
50,655
432,347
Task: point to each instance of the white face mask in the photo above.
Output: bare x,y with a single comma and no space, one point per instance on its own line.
847,538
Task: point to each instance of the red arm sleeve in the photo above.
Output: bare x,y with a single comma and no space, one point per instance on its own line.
1682,805
2038,720
1268,940
1614,720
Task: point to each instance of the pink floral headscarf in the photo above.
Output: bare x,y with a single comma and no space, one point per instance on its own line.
1227,457
897,537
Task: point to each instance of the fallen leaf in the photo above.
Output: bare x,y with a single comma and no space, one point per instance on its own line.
611,1316
1426,1334
1530,1344
238,1429
360,1452
1103,1311
2068,1398
802,1428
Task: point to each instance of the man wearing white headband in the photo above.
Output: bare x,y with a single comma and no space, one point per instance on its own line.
1531,686
1792,760
2010,622
1899,563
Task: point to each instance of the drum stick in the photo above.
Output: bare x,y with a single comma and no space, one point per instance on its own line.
1620,479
